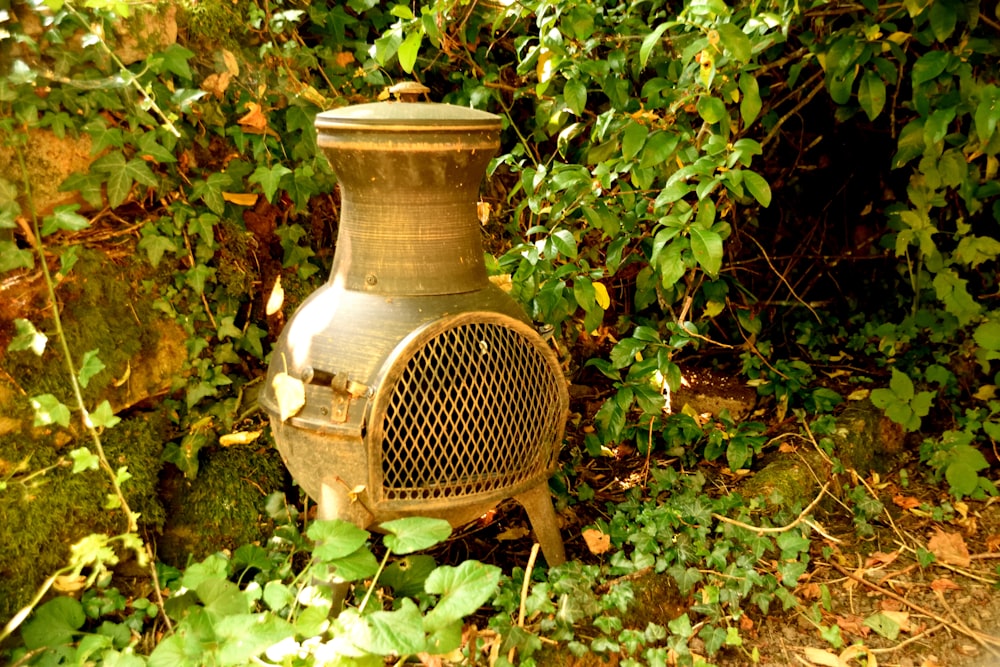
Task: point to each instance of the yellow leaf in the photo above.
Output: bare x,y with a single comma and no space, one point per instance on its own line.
290,393
124,378
601,295
239,438
858,395
986,392
68,583
240,198
544,67
276,299
483,211
254,118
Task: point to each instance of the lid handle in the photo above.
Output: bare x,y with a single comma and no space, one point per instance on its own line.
409,91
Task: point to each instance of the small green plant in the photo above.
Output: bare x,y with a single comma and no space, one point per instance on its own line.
901,402
259,605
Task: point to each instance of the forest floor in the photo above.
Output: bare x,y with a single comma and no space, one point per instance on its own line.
948,612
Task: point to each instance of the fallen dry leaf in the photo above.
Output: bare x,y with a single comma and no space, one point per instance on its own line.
290,393
68,583
239,438
902,619
942,585
818,656
230,63
254,118
993,543
597,542
217,83
787,448
906,502
344,58
483,211
949,548
854,625
881,558
276,299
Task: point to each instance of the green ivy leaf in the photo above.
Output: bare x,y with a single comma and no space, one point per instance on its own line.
463,589
49,410
104,416
175,59
269,178
149,146
414,534
89,367
64,218
210,191
84,459
12,257
197,276
154,244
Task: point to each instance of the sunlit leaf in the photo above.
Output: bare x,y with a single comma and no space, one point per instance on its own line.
27,338
414,533
49,410
290,393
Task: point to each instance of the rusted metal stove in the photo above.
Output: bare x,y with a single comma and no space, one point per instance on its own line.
427,392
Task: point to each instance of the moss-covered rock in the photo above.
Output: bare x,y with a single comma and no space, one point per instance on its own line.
224,506
45,507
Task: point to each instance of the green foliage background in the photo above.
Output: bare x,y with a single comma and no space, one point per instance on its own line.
786,184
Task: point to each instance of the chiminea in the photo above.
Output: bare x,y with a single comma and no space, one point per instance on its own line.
427,391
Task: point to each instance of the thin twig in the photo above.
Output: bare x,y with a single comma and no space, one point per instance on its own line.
914,638
784,280
798,107
777,529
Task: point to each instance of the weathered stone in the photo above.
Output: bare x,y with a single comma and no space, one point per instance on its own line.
49,160
146,32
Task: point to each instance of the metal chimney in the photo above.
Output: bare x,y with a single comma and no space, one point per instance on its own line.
427,391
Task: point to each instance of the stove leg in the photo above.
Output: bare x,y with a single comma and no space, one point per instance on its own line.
335,503
537,502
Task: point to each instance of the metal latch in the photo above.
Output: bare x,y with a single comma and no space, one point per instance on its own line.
344,390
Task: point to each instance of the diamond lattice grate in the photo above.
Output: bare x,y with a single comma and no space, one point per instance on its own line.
474,410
